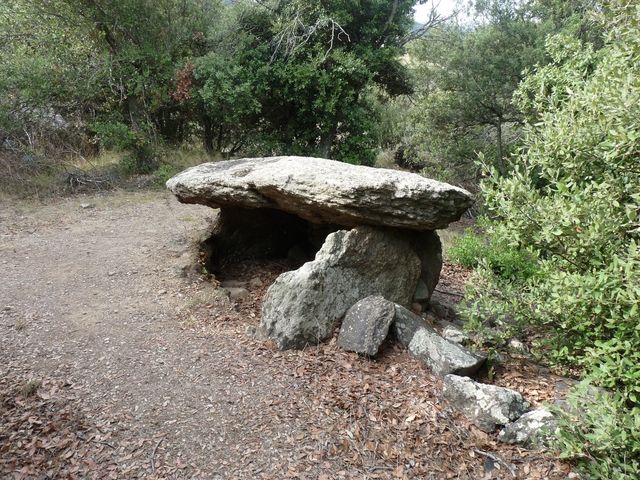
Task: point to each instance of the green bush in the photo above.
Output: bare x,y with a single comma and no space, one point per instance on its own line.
573,202
508,263
601,433
141,154
165,172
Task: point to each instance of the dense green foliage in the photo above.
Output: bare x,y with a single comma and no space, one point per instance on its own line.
465,75
572,201
266,77
466,82
504,261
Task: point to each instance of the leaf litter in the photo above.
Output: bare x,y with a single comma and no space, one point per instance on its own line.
151,383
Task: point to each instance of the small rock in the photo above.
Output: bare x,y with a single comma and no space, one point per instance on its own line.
517,345
422,294
237,294
442,356
366,324
162,292
256,282
86,206
453,334
532,429
111,274
485,405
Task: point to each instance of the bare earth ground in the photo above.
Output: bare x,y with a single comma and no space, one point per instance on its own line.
115,364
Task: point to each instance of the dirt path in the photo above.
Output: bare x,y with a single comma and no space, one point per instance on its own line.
95,297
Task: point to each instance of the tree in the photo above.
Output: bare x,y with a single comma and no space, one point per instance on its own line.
50,71
309,66
466,77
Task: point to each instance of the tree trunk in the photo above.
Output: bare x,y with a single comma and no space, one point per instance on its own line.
326,143
208,137
502,169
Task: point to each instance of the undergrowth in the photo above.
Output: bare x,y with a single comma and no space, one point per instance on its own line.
561,257
33,175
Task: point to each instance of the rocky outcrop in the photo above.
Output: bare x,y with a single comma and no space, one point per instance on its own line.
324,191
302,307
487,406
366,324
533,429
442,356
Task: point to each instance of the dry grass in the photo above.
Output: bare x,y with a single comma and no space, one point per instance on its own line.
46,177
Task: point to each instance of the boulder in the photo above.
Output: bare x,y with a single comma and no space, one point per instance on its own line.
533,429
487,406
406,324
324,191
303,306
366,324
442,356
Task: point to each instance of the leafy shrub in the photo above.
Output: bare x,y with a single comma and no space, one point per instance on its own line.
508,263
600,426
141,157
165,172
572,201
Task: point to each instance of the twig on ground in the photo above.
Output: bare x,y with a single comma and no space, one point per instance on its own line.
497,459
104,443
153,455
447,292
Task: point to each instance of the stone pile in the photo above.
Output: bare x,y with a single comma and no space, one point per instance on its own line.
356,231
364,248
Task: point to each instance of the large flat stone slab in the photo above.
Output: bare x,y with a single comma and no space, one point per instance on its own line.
324,191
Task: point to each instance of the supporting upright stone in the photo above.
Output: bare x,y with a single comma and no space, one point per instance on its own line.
302,307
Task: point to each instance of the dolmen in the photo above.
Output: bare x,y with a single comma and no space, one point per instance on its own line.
357,231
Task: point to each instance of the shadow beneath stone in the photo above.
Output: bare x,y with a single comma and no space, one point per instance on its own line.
242,234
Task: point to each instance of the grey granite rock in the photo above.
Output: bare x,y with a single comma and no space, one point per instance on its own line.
533,429
406,324
442,356
324,191
366,324
302,307
487,406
